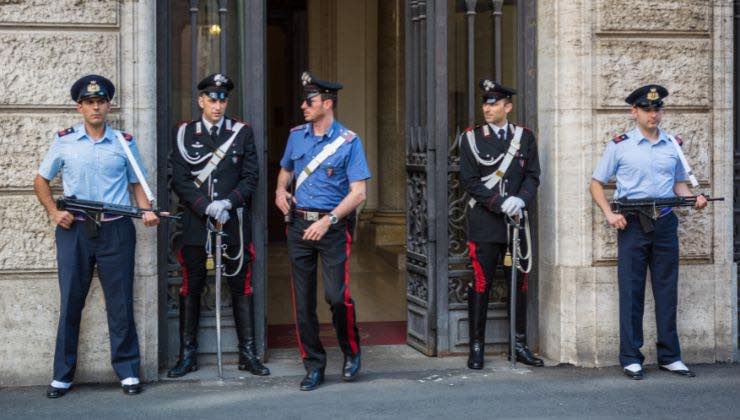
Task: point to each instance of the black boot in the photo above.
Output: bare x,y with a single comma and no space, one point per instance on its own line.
244,320
189,317
477,312
523,354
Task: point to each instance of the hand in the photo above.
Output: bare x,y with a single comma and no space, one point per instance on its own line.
317,230
223,217
215,208
616,220
701,202
512,206
283,200
150,219
62,218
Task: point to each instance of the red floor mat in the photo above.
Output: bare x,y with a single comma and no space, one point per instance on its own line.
371,333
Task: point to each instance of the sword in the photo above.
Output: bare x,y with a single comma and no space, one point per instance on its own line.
515,222
219,270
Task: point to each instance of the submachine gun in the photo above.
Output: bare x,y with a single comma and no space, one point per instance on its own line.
648,210
95,209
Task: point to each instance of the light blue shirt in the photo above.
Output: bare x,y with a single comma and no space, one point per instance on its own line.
91,170
641,169
327,186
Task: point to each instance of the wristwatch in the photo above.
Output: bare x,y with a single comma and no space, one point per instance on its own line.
333,219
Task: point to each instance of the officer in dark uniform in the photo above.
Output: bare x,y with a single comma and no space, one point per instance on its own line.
214,172
329,165
94,163
646,163
482,156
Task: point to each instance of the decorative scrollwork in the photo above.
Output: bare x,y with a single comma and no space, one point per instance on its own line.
417,285
416,218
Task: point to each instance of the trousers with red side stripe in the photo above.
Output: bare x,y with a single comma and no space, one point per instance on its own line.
486,257
193,260
334,251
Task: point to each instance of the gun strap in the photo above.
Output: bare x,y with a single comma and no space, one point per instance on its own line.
494,178
135,166
684,162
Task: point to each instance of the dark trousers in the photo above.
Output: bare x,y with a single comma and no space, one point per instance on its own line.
113,252
334,251
192,258
485,257
638,251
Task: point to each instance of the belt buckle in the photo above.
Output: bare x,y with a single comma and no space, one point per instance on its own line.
312,216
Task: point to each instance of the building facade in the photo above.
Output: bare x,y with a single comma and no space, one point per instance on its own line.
409,69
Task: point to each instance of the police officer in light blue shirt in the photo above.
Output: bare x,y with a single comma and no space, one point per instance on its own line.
94,166
330,171
645,164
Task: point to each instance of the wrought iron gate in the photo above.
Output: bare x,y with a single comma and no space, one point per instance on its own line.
237,28
437,262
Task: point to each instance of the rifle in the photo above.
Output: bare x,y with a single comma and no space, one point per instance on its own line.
94,209
648,210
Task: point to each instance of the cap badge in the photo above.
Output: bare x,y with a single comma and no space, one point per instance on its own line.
305,78
653,95
488,85
220,79
93,87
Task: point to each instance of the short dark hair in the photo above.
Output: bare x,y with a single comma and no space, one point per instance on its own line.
332,96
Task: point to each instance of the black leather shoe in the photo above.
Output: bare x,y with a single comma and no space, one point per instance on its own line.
477,312
639,375
524,355
475,359
244,320
351,367
131,389
682,372
253,365
184,366
189,317
312,380
54,392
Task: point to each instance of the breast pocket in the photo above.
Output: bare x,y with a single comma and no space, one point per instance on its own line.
334,166
72,167
666,164
112,163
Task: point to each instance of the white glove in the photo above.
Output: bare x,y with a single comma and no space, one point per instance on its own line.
512,206
215,208
223,217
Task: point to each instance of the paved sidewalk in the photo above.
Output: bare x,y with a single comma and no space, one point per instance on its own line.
398,382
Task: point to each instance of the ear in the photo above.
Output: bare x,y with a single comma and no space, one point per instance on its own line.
508,107
633,111
201,101
327,104
79,107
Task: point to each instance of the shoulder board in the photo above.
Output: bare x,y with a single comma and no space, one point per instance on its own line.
471,128
180,123
523,127
621,138
298,127
246,124
348,136
127,136
679,140
66,131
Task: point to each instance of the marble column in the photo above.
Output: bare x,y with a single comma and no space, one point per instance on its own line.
388,222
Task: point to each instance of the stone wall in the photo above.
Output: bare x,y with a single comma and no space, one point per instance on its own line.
47,45
591,54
